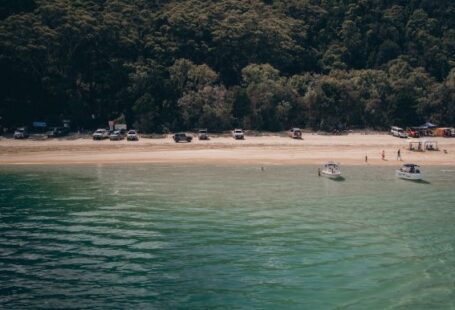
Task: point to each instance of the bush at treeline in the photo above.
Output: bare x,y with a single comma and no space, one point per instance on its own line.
267,65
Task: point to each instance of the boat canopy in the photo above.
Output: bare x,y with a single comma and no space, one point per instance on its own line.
411,165
430,145
415,146
410,168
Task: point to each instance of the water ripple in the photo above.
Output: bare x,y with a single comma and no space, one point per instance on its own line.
225,237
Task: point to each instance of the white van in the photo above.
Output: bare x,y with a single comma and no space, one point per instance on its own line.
398,132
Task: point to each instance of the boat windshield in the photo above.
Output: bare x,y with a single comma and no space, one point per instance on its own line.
332,166
410,169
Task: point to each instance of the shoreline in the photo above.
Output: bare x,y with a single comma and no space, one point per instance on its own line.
348,150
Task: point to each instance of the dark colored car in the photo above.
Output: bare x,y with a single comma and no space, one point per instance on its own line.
116,135
57,132
179,137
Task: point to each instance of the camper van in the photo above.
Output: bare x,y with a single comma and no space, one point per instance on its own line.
398,132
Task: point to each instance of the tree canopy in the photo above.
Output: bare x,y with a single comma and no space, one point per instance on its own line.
260,64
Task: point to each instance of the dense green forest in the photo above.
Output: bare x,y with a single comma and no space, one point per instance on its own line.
183,64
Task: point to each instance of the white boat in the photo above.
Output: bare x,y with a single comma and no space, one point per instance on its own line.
409,172
331,170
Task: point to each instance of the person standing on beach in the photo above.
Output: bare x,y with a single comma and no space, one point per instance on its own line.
398,154
366,158
383,155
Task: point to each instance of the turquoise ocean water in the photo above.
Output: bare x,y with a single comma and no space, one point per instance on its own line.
151,236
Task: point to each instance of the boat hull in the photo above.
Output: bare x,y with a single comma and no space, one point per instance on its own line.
331,175
408,176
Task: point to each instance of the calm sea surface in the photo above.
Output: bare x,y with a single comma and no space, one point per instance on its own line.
151,236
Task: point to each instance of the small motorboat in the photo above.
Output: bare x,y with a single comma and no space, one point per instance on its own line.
409,172
331,170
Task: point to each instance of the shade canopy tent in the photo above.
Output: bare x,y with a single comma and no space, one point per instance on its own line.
416,146
421,146
428,125
430,145
425,129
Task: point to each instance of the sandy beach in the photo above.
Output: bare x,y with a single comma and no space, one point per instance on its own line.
267,149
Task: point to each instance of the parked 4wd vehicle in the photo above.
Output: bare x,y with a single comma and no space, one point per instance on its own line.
398,132
178,137
21,133
100,134
57,132
412,133
295,133
238,134
116,135
132,136
203,134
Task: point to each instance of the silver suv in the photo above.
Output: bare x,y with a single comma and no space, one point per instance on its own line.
238,134
100,134
203,134
132,135
21,133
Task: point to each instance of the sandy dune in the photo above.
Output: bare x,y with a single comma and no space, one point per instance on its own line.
267,149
